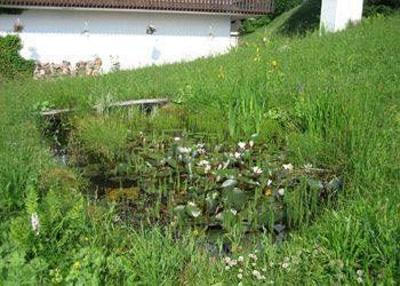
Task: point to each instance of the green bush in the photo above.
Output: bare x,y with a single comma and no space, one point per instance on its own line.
282,6
11,62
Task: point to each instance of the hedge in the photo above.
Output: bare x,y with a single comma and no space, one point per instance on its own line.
12,64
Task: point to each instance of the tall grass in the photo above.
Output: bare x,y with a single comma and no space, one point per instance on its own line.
331,101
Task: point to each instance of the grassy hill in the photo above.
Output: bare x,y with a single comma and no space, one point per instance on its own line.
331,101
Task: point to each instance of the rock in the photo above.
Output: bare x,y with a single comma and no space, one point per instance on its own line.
51,70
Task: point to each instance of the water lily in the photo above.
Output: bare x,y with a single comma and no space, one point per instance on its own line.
242,145
288,167
183,150
35,223
203,163
257,170
281,192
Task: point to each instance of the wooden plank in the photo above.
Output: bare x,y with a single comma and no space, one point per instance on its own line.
128,103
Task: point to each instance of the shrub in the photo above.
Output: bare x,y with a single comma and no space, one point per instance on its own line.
11,62
251,24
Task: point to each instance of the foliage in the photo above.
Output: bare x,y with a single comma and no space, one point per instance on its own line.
330,101
11,62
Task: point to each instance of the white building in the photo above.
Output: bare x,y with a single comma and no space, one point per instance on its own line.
336,15
134,33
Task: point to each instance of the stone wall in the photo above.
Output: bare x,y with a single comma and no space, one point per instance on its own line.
51,70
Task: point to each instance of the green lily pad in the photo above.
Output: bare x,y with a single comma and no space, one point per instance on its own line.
193,210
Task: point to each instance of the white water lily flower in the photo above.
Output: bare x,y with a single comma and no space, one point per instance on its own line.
184,150
257,170
269,182
194,210
288,167
281,192
35,223
242,145
203,163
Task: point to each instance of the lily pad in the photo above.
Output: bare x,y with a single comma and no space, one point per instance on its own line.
230,183
193,210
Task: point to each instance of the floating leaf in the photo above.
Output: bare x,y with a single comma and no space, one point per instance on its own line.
229,183
193,210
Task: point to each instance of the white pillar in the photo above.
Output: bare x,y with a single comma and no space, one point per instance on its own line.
337,14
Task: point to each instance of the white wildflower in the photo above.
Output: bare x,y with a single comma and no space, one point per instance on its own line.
234,212
176,139
35,223
227,260
253,256
233,262
237,155
360,272
207,169
227,268
285,265
242,145
308,166
360,280
257,274
240,284
281,192
269,182
257,170
240,259
254,264
240,276
251,143
288,167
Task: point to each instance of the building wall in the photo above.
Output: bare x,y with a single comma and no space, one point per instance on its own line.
51,35
337,14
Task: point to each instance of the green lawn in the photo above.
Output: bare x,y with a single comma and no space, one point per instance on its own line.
331,101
